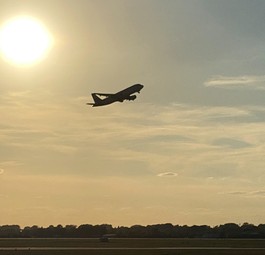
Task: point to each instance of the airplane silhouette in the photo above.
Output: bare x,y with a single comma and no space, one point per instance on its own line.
120,96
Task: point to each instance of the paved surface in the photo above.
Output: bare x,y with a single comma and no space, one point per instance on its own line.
120,248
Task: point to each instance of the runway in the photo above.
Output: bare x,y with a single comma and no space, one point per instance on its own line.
124,248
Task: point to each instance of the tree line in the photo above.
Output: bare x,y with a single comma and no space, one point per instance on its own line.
229,230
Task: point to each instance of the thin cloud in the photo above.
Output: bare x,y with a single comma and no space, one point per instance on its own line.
231,143
236,193
229,82
1,170
175,136
167,174
256,193
11,163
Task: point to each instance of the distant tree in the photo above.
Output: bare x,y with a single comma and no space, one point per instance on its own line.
70,230
122,232
167,230
261,230
199,231
31,231
25,232
159,230
137,231
12,231
59,231
249,230
85,230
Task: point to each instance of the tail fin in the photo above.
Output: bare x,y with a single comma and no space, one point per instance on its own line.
96,98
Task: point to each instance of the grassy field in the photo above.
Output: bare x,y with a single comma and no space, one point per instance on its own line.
144,246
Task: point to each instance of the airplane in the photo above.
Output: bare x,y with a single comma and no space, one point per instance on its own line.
120,96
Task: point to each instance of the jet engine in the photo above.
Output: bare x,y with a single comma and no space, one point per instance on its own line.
133,97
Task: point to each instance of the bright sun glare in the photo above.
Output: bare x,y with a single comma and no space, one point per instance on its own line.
24,40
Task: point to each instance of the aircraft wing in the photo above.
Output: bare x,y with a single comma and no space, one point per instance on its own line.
104,94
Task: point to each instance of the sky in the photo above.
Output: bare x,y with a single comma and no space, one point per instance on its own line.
188,151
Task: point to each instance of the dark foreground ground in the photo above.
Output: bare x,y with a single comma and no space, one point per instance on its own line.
117,246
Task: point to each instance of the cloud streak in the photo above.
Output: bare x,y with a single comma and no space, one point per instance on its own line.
232,82
255,193
167,174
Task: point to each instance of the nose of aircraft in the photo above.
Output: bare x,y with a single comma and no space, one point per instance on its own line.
141,86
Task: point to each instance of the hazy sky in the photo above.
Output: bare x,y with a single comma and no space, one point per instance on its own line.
189,150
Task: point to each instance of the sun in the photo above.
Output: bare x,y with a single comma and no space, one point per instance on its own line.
24,40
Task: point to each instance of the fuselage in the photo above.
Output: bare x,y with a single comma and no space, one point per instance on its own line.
130,90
